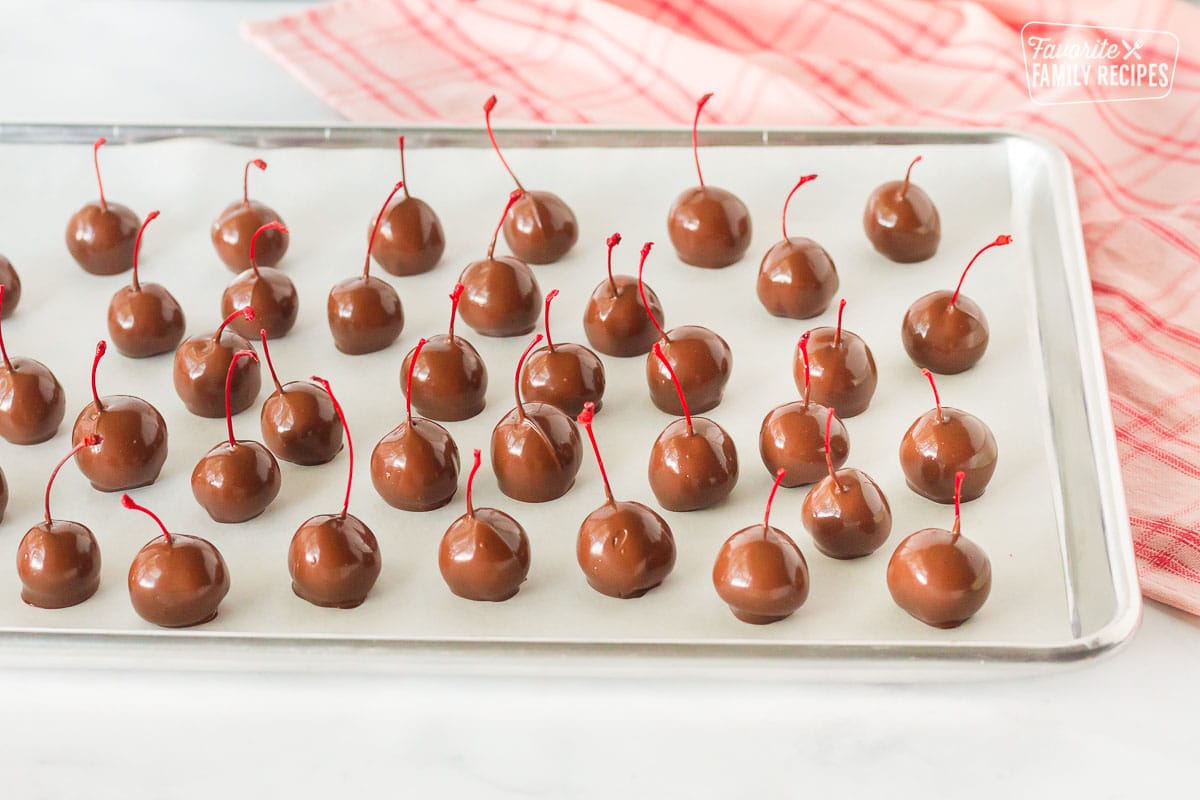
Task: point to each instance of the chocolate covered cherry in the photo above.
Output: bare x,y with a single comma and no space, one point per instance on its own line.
101,235
615,320
796,278
449,381
233,230
901,221
268,291
945,441
298,421
202,367
502,296
410,239
10,279
565,375
144,319
32,404
842,369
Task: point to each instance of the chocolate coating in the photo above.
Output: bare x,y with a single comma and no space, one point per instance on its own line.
415,466
540,228
932,451
702,361
58,563
761,575
796,279
3,495
709,227
233,229
273,296
792,437
939,578
334,561
536,457
849,519
485,556
944,338
11,282
625,549
235,483
566,377
102,241
501,297
365,315
905,229
178,583
691,472
201,368
300,425
410,239
617,324
133,445
145,322
32,404
842,375
450,380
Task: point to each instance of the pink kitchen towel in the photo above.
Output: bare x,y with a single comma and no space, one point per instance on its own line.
852,62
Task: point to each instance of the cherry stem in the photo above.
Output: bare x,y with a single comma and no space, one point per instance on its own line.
88,441
412,367
101,348
687,414
96,163
642,290
247,312
612,242
958,482
779,473
553,293
585,419
788,201
487,117
837,334
262,335
802,345
517,379
254,162
349,442
1000,241
375,228
828,449
471,484
907,176
229,389
3,350
937,400
403,172
129,503
513,197
455,296
270,226
137,248
695,137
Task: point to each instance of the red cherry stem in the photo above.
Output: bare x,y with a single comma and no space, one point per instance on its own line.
513,197
837,334
553,293
101,347
642,290
254,162
487,117
412,367
229,389
349,442
262,335
696,138
612,242
779,473
375,228
517,379
788,201
828,450
270,226
937,401
802,345
129,503
247,312
137,248
585,419
471,484
1000,241
455,297
403,172
687,414
907,176
3,350
96,163
88,441
958,482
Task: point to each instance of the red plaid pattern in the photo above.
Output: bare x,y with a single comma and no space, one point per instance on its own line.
848,62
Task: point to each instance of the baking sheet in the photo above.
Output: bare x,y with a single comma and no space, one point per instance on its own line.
326,197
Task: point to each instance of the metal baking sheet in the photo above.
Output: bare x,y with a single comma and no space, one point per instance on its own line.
1052,521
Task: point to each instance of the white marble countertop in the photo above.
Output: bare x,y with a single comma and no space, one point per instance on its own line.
1119,728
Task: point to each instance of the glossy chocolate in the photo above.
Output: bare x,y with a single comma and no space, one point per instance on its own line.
12,287
134,447
298,421
234,228
842,370
901,221
709,227
692,470
449,382
703,362
273,297
797,279
615,321
3,495
563,374
502,297
847,514
935,448
32,404
792,438
410,240
144,319
202,365
100,236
